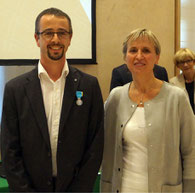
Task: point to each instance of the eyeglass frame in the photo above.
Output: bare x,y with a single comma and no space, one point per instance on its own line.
53,33
185,61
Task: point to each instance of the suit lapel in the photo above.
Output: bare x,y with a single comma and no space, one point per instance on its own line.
72,82
194,92
34,94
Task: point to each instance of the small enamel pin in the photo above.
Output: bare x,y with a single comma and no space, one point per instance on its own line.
79,94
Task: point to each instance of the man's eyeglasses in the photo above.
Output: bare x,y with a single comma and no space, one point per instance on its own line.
185,61
48,35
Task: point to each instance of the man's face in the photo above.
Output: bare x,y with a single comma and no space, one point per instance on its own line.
53,46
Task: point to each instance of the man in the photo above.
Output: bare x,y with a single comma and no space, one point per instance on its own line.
52,121
121,75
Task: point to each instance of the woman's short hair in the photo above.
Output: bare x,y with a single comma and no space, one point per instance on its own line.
140,33
182,55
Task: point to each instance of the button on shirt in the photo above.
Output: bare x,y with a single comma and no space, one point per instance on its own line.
52,97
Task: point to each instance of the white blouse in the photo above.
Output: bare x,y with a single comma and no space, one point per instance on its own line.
135,157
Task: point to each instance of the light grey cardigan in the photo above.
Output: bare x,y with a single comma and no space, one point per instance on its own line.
171,140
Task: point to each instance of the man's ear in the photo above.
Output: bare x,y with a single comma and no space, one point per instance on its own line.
70,38
36,36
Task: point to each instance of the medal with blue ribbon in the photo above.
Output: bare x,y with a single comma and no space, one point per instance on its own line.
79,94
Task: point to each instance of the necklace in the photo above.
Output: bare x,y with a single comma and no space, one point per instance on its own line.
141,103
189,77
141,96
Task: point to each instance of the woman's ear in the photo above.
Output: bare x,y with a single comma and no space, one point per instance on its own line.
157,59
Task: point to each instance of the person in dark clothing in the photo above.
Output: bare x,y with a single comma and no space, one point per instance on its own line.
121,75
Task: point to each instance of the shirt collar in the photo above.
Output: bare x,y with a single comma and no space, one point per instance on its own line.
42,71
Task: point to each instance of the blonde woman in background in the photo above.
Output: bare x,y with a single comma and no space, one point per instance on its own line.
184,59
149,128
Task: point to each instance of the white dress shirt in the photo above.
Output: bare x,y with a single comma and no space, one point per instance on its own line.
52,97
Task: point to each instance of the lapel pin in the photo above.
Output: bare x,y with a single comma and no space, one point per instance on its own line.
79,94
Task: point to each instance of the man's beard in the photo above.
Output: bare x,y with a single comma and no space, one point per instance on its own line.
55,57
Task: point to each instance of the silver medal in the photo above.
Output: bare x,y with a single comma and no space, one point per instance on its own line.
79,102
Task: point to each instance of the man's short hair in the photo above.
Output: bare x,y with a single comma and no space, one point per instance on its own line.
52,11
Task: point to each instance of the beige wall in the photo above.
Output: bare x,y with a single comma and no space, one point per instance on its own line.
115,19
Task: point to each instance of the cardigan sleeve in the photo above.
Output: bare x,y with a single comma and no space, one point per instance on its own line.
187,129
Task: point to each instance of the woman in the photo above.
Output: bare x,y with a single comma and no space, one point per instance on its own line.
149,128
184,59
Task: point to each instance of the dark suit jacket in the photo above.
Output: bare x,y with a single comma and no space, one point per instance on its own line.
121,75
26,150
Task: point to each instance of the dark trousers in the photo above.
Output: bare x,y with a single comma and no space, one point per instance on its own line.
54,179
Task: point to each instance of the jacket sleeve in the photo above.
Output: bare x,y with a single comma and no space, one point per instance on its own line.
91,161
187,129
16,175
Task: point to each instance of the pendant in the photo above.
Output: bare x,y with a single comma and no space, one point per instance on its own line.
79,102
141,103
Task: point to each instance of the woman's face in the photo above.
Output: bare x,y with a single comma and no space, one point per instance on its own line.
186,65
141,56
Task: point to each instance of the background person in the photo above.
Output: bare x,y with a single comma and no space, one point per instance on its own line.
52,121
149,128
184,59
121,75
